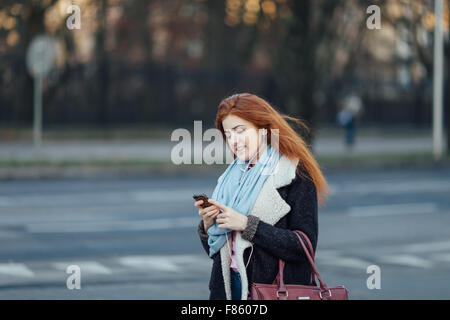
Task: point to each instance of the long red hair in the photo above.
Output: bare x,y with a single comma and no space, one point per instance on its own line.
262,115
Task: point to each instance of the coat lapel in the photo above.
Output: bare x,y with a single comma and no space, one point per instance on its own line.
270,208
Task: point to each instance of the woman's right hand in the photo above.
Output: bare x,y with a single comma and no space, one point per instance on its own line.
208,214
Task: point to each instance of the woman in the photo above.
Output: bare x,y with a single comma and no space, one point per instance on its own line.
273,186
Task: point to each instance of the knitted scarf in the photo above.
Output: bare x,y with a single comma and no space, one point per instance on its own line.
240,195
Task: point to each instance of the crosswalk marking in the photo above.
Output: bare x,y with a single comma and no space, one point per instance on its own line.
16,269
392,209
407,260
173,263
392,187
346,262
201,264
428,246
92,267
161,263
327,253
441,257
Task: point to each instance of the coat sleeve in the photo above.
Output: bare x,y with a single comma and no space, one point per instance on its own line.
203,236
283,243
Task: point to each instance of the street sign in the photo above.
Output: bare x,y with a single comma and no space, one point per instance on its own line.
40,58
41,55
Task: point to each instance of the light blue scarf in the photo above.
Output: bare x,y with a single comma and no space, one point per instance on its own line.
240,196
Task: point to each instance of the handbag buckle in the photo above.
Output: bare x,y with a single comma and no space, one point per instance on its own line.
287,294
320,293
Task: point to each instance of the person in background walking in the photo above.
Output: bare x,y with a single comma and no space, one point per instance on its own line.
347,117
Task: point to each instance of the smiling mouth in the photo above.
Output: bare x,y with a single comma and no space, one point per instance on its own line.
240,149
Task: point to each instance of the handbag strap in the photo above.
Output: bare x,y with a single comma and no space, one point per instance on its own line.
311,251
281,262
279,279
323,286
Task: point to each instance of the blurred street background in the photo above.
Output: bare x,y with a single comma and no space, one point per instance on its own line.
88,111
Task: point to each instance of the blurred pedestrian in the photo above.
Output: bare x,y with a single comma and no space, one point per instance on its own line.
348,117
268,190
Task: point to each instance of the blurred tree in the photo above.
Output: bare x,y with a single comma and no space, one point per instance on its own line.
308,30
419,20
27,20
167,59
227,47
215,39
102,64
305,41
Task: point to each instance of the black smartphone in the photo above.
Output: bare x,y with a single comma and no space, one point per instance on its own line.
203,197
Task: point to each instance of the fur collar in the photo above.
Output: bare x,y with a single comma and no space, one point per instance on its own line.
270,208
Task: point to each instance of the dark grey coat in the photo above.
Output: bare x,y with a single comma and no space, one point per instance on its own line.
271,239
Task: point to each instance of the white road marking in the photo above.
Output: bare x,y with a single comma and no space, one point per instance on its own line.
441,257
407,260
427,246
110,225
392,187
344,262
180,264
92,267
326,253
392,209
135,196
16,269
161,263
170,263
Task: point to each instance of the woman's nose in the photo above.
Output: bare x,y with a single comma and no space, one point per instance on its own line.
233,139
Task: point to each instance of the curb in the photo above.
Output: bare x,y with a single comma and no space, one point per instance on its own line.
104,169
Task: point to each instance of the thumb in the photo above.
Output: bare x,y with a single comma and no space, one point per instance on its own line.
218,204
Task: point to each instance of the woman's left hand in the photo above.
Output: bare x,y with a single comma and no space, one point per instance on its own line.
229,218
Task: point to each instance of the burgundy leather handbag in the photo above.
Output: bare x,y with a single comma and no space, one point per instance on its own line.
280,291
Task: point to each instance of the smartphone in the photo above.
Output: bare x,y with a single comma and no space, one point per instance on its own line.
203,197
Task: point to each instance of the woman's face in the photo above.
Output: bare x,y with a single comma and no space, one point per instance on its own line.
242,137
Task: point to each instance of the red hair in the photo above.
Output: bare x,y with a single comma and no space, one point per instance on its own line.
262,115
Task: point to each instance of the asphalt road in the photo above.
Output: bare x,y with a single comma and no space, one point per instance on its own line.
136,238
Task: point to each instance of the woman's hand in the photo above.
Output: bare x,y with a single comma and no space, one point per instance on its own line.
229,218
208,214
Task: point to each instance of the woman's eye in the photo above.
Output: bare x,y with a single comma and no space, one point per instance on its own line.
227,135
240,130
